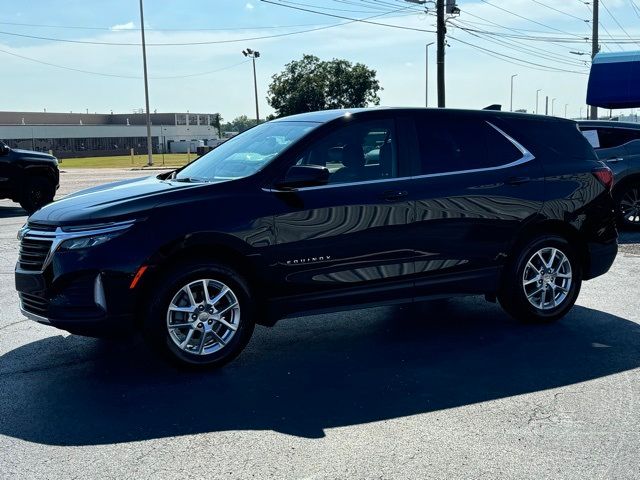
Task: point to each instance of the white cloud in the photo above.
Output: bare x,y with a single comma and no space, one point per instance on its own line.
124,26
249,6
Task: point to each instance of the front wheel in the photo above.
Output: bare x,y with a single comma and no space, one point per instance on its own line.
201,315
542,282
37,192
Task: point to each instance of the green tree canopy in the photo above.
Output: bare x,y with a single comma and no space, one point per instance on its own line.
312,84
239,124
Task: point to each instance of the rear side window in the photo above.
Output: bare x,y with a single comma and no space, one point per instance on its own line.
612,137
544,136
459,144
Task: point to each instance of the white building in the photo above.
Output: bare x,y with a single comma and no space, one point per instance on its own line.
86,134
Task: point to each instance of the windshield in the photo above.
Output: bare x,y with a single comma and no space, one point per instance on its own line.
246,153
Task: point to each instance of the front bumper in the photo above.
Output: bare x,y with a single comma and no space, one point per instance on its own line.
84,291
78,306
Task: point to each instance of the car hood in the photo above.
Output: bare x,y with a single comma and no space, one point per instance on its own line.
112,201
32,154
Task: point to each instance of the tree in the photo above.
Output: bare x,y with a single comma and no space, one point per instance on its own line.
216,122
311,84
239,124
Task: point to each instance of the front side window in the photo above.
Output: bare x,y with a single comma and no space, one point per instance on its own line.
357,152
245,154
454,145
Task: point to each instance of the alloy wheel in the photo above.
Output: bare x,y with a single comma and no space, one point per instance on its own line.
630,206
547,278
203,316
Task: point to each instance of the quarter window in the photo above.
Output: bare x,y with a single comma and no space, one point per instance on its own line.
448,145
356,153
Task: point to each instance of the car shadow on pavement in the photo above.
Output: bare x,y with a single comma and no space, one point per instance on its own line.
9,212
306,375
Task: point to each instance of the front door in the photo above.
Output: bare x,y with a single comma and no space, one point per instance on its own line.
345,242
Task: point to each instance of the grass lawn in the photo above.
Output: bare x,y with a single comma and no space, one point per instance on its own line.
170,160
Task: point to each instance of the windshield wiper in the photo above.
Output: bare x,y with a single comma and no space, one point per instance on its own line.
190,179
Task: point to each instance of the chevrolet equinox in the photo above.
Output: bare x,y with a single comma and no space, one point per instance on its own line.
326,211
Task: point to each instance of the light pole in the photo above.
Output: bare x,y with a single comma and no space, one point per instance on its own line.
511,104
565,109
253,54
553,102
426,75
146,89
537,95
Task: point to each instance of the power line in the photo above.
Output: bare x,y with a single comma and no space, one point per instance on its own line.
528,19
560,11
237,40
524,63
401,27
616,20
113,75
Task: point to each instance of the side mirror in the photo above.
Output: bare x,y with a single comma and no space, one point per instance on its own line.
4,149
304,176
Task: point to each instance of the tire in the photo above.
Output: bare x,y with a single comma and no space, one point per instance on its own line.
37,192
514,295
628,204
220,343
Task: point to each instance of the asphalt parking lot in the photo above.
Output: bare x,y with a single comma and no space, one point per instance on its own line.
445,389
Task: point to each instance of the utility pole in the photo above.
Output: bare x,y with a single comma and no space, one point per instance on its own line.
426,76
440,40
537,95
511,102
253,54
594,45
546,105
146,89
565,109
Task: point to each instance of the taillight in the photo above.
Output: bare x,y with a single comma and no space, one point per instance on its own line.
605,175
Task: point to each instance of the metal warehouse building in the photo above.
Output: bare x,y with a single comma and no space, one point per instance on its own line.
96,134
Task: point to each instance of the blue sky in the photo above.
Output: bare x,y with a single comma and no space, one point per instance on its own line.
474,78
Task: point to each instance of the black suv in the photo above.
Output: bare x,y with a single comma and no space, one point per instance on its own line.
326,211
618,144
30,178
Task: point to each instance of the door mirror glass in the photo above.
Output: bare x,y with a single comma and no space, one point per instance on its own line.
304,176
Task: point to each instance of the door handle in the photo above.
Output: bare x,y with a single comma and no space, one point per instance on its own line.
394,195
615,160
518,180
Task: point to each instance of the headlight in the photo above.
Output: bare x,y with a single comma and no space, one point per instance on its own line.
85,236
86,242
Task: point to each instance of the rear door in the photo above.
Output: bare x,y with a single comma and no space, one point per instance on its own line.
342,241
609,144
474,186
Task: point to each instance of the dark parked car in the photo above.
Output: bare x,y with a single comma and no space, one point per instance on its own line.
30,178
618,144
326,211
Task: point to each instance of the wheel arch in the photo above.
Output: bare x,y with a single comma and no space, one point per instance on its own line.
625,181
552,227
216,248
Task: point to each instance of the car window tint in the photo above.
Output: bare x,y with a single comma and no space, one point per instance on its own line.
615,137
357,152
448,145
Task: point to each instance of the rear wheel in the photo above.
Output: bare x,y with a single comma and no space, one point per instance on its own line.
628,201
36,193
543,281
201,315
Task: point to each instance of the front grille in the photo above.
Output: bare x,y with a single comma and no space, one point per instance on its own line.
33,253
34,304
41,227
